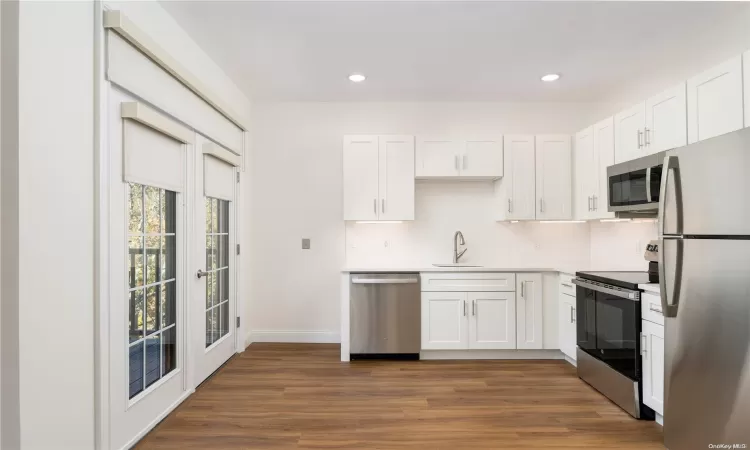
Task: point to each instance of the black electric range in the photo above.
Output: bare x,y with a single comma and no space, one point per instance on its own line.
608,332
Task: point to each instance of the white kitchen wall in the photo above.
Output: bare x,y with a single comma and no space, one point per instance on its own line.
296,192
620,246
442,208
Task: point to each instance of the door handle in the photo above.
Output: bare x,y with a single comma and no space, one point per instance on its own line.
640,145
644,343
464,307
572,313
382,205
522,294
509,205
473,307
201,273
646,140
541,205
465,162
455,162
375,206
589,203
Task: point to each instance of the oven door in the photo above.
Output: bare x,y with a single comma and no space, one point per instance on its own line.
609,327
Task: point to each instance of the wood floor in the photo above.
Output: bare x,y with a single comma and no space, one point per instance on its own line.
287,396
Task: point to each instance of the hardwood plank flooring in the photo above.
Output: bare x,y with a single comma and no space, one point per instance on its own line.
299,396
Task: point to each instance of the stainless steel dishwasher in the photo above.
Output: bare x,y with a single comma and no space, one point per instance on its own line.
385,316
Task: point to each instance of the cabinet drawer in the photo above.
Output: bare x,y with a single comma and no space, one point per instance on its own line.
566,284
651,308
468,282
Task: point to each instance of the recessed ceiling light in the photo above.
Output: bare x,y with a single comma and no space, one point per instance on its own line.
357,77
551,77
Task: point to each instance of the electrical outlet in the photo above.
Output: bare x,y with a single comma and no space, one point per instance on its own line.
305,244
385,244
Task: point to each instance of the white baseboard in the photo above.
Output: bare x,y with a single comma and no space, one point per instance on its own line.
571,361
158,419
490,354
312,337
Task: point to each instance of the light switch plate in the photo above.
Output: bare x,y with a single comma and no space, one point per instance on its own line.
305,244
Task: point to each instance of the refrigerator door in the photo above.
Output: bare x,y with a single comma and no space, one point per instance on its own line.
707,345
712,177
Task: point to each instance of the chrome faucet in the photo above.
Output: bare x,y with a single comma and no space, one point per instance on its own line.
456,254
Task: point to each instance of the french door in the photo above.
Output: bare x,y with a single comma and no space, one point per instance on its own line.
148,156
214,290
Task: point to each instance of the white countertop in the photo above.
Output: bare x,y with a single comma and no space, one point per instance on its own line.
651,287
449,269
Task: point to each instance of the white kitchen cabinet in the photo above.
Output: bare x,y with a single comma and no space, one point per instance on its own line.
361,178
445,321
529,311
482,158
396,183
652,351
515,192
492,320
378,177
666,120
604,156
554,188
566,325
586,177
715,101
629,127
459,158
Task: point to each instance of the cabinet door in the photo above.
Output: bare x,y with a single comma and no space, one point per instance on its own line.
714,100
518,184
529,304
666,120
652,351
554,184
604,156
482,158
493,320
396,171
629,125
585,174
361,178
444,321
567,326
438,157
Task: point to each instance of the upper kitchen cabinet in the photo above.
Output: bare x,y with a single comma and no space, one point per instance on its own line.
586,178
515,192
378,178
604,156
629,127
715,101
459,158
666,120
554,189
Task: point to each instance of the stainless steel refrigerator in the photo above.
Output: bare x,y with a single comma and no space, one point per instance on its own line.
704,227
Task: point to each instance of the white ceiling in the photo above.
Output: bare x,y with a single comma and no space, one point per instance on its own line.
458,51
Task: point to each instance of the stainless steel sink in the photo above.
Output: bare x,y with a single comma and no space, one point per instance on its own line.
458,266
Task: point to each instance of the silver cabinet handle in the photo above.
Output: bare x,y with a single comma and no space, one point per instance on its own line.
382,205
522,283
644,344
455,162
201,273
464,307
541,205
465,162
596,203
509,208
473,307
646,140
572,311
375,206
653,308
567,285
589,203
640,145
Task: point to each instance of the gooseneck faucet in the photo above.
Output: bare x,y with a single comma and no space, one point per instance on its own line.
456,255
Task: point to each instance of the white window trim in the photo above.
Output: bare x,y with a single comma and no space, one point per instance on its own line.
217,151
123,26
147,116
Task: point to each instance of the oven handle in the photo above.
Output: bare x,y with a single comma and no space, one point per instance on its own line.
607,289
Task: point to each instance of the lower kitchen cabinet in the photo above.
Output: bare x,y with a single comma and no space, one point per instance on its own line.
529,306
652,353
492,323
566,325
444,321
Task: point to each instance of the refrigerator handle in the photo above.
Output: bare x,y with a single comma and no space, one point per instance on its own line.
671,164
670,296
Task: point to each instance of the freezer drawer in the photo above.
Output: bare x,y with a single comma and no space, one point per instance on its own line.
385,317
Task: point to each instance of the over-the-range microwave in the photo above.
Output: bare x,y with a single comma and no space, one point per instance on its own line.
633,186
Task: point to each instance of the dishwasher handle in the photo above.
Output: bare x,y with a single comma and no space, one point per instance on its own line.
365,280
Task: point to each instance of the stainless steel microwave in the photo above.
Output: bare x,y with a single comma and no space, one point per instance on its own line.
633,186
